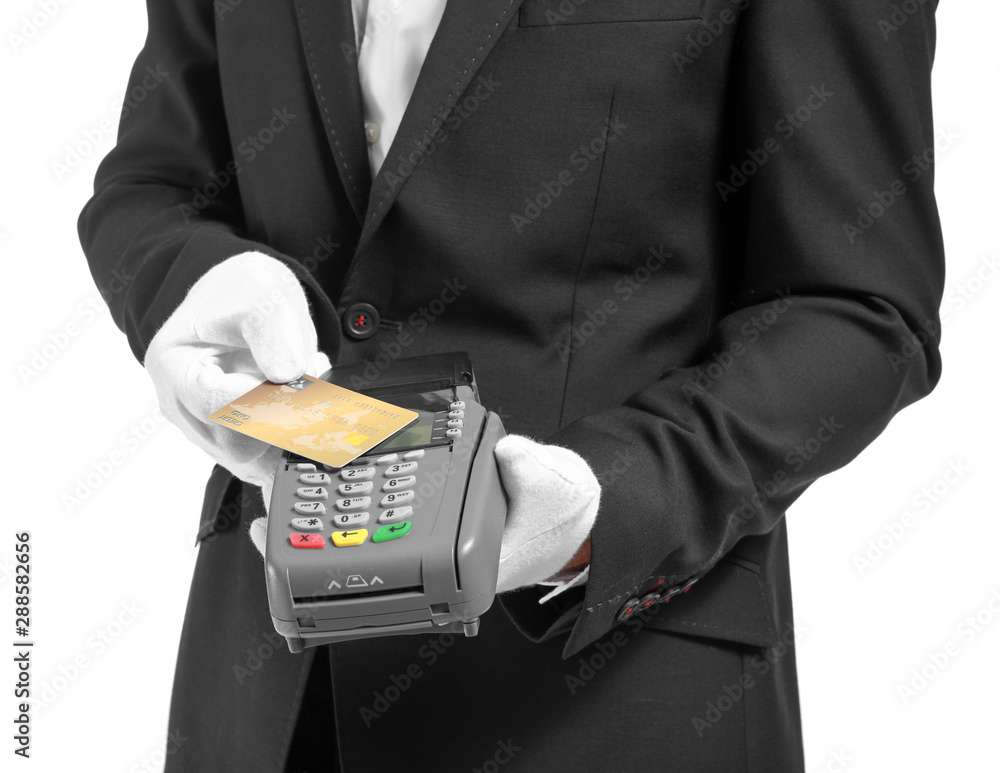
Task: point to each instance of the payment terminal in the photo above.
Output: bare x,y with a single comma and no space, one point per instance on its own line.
404,540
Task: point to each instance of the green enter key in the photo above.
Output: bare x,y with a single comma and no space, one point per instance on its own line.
391,531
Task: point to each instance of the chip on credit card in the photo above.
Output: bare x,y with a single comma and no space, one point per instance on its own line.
315,419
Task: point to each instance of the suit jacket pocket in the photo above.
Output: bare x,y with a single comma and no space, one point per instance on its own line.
552,13
731,602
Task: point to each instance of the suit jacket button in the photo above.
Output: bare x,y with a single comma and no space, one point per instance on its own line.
360,321
668,593
628,609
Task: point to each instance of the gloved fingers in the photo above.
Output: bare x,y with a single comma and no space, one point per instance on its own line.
267,484
530,470
245,284
281,334
553,499
258,471
207,388
242,361
233,360
528,557
258,534
535,560
252,301
200,391
169,368
192,382
265,479
204,387
319,364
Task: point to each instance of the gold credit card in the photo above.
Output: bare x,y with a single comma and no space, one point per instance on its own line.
315,419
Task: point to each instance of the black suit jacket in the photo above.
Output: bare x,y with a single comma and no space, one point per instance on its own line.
694,240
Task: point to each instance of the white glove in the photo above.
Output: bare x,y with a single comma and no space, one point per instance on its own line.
552,501
245,321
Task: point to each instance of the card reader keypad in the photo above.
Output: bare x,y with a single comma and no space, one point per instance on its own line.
350,491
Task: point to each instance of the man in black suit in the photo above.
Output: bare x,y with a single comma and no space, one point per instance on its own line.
693,246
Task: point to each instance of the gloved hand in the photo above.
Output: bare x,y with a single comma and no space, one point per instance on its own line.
244,321
552,501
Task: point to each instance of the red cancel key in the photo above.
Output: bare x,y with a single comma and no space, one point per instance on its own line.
307,540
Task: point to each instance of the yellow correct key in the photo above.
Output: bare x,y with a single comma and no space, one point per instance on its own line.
346,539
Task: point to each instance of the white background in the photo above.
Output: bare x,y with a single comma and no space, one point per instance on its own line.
112,573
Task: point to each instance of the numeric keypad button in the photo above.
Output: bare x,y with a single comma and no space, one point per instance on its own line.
307,524
353,489
315,478
396,514
312,493
350,520
400,469
347,539
309,508
352,503
307,541
392,531
398,484
357,473
397,498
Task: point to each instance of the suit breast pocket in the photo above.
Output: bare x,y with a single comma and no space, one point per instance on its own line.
554,13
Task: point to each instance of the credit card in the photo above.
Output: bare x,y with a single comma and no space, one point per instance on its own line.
315,419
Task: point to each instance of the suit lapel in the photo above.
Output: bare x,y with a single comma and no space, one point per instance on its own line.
467,33
326,29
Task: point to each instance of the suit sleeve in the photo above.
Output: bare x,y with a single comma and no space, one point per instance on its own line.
833,321
150,231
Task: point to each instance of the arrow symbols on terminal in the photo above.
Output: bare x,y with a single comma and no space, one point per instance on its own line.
357,581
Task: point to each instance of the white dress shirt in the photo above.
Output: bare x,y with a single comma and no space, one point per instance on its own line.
392,37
